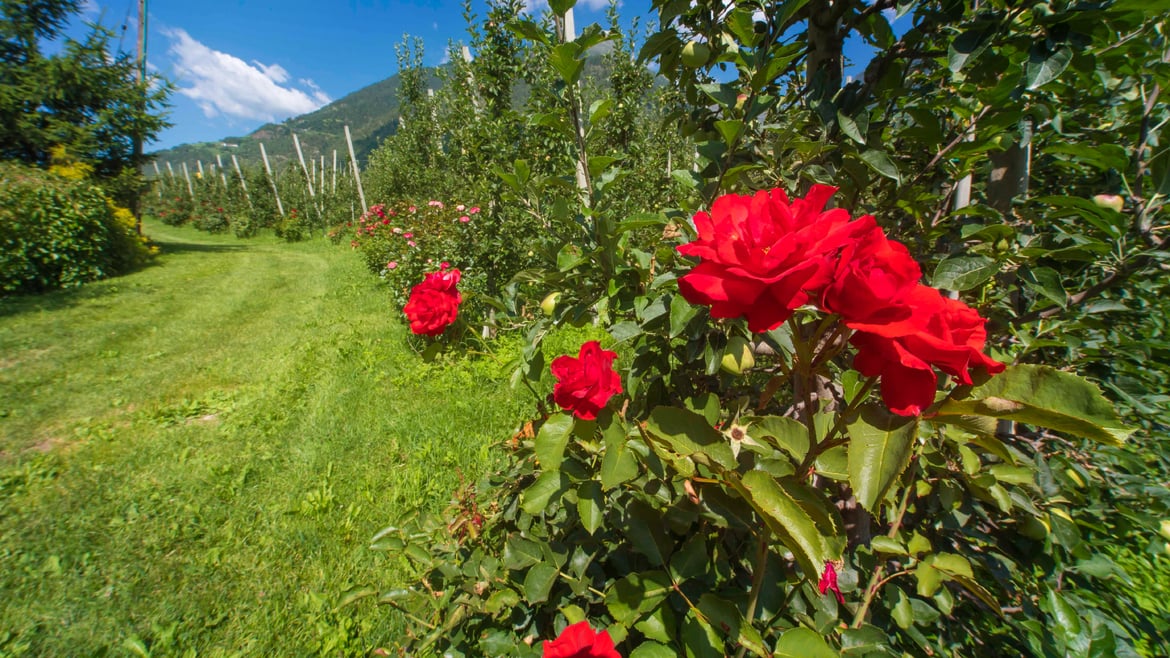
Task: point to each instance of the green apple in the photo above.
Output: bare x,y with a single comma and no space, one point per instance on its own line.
549,303
1109,201
1165,531
737,356
695,54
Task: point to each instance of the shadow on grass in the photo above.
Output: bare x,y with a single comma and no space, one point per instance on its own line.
172,247
54,300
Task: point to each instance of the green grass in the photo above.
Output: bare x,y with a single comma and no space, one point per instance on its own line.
193,457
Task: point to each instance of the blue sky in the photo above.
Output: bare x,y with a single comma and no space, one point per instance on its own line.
241,63
238,64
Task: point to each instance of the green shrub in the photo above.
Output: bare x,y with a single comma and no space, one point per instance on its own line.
56,233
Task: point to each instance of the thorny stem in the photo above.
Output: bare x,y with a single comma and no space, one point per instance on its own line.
876,580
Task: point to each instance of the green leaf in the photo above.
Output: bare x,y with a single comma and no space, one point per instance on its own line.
538,582
566,61
937,567
559,7
600,163
729,130
635,594
691,560
1043,66
880,446
798,515
660,625
788,435
551,441
803,643
881,163
645,531
855,129
1045,397
700,639
600,109
961,273
967,47
653,650
591,506
536,497
520,552
725,615
687,434
618,465
884,544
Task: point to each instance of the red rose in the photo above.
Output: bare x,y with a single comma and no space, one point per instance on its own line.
586,383
762,256
434,303
873,276
579,641
948,335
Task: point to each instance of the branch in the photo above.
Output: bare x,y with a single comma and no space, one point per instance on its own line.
1117,277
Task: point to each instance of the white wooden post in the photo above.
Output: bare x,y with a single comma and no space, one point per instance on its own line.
271,179
171,171
322,185
187,175
475,101
356,175
222,175
158,176
335,171
301,157
569,33
243,183
199,163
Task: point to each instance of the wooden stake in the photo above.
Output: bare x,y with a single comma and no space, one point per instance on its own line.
322,185
159,178
187,175
335,171
356,175
243,183
271,179
222,175
301,157
199,163
171,171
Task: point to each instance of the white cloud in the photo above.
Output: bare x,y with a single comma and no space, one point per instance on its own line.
223,84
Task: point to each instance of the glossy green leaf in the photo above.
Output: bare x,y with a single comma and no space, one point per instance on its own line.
854,128
880,446
636,593
799,515
787,434
961,273
653,650
618,464
1044,67
687,434
551,441
803,643
538,582
591,506
537,496
726,616
1046,397
881,163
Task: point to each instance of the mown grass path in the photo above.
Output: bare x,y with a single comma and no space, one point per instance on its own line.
193,457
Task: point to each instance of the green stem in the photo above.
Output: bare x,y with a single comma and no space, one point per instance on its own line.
758,569
876,580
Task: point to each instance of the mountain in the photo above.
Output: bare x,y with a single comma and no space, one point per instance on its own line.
370,112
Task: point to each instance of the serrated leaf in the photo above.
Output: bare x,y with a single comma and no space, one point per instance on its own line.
653,650
1045,397
537,496
691,560
881,163
855,129
687,434
520,552
618,464
961,273
1044,67
803,643
636,593
787,434
538,582
700,639
551,441
725,615
565,61
591,506
884,544
880,446
938,567
798,515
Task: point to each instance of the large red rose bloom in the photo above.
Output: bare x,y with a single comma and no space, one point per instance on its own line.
434,303
586,383
763,256
579,641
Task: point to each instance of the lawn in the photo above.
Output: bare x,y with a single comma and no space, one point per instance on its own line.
194,457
